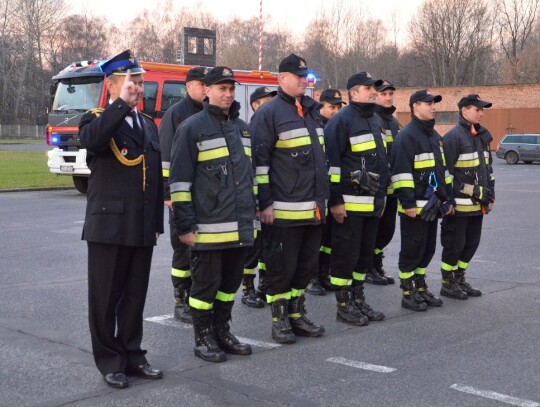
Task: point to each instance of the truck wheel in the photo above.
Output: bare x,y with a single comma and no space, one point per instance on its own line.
81,184
511,158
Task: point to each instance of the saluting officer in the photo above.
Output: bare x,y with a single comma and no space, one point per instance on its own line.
250,297
292,182
468,156
124,217
332,102
359,176
422,185
211,183
384,110
174,116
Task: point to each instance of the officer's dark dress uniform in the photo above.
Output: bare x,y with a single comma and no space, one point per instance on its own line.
181,268
123,215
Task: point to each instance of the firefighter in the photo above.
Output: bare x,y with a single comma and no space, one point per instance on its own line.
384,110
468,156
174,116
250,297
293,188
332,102
124,218
422,185
359,178
211,182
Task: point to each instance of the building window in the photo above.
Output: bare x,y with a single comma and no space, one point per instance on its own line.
208,46
192,45
446,117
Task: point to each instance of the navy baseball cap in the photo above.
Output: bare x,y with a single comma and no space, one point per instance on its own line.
196,74
332,96
475,101
362,78
384,86
219,74
294,64
261,92
423,96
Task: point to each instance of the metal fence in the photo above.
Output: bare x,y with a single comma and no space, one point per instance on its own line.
21,132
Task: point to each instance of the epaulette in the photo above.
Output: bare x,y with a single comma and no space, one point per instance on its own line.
96,111
246,134
147,115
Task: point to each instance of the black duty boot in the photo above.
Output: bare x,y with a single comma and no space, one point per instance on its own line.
281,327
459,276
249,296
422,288
373,277
359,299
378,268
346,309
225,340
324,277
300,323
411,299
315,288
182,311
261,287
206,346
449,288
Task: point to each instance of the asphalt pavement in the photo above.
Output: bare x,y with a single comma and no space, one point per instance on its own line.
479,352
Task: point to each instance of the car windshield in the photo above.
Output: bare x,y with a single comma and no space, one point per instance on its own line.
77,94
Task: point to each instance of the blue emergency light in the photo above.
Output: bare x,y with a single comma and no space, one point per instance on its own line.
55,139
311,79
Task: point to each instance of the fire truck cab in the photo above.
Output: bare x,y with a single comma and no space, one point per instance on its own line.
81,87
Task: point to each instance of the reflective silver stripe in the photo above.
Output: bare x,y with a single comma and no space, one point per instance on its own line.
388,132
246,142
180,187
464,201
254,181
447,174
402,177
218,227
257,224
290,134
335,170
320,131
166,165
294,206
486,154
469,156
262,170
361,139
424,157
421,204
383,136
211,144
359,199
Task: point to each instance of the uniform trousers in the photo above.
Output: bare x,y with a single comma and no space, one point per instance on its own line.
326,245
181,268
387,224
291,257
418,244
460,237
216,276
353,243
117,284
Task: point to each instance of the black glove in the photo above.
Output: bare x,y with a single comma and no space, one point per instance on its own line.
444,208
430,211
367,181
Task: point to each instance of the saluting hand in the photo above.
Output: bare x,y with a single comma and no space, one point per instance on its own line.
128,92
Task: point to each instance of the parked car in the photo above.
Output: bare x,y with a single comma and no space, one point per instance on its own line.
519,147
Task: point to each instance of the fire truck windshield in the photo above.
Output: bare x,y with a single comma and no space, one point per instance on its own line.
77,94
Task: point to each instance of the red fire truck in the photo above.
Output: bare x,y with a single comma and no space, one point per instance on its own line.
81,86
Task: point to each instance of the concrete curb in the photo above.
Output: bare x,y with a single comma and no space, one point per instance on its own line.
36,189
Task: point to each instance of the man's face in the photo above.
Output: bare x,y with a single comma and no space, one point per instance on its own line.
261,101
364,94
196,90
329,110
115,83
472,114
221,95
293,85
425,110
385,98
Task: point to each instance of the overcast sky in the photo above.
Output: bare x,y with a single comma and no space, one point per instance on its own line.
292,14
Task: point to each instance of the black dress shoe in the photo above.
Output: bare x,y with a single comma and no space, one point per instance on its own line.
117,380
145,371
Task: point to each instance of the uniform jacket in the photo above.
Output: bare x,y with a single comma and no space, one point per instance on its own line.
469,161
416,153
354,142
211,180
172,118
125,190
291,167
390,128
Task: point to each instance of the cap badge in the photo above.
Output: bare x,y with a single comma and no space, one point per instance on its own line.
337,95
226,72
302,64
205,71
124,151
266,90
368,75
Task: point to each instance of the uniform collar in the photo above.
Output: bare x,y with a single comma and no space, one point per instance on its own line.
385,112
366,109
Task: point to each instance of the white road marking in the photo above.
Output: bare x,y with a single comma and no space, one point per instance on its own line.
495,396
169,320
361,365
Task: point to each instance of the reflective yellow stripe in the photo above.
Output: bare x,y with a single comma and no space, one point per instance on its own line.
390,191
340,282
467,163
255,190
247,150
180,273
467,205
198,304
404,275
462,264
166,173
336,179
389,138
283,296
249,272
294,215
357,148
213,154
263,179
296,142
359,203
321,140
262,266
181,196
325,249
217,237
447,267
358,276
296,292
424,164
420,271
377,251
403,184
224,297
403,180
419,206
